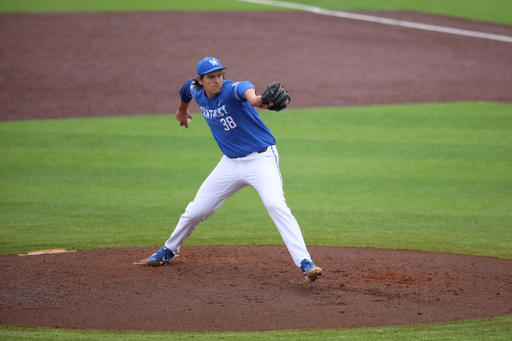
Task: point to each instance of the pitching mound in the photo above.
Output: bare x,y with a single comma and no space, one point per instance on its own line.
239,288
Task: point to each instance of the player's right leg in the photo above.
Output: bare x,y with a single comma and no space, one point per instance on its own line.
220,185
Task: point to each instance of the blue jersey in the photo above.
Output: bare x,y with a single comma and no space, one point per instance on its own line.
233,121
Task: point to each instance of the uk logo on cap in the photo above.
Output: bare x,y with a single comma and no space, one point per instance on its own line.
209,64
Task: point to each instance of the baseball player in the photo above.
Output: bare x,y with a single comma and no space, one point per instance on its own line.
250,158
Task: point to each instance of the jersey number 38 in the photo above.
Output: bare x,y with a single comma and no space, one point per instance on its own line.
228,123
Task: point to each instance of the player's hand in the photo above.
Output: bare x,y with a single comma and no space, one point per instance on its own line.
184,117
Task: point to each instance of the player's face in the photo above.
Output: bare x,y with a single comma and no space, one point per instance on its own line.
212,82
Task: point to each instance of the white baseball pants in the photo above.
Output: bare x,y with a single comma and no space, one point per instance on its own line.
260,171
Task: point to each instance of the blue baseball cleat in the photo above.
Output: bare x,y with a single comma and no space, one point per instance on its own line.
310,270
162,257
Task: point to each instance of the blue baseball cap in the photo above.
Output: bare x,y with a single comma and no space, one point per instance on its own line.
208,65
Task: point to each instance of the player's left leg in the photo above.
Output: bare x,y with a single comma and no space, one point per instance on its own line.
263,174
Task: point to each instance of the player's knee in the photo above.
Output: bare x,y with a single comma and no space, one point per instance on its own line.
196,212
276,204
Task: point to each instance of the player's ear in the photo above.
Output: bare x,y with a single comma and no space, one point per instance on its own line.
200,80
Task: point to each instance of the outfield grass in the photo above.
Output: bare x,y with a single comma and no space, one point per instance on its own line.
498,11
432,177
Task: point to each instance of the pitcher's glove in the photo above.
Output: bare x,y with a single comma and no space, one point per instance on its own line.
275,97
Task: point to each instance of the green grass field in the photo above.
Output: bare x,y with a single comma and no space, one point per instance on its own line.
498,11
434,177
498,328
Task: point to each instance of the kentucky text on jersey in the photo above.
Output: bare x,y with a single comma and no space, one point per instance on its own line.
235,124
216,113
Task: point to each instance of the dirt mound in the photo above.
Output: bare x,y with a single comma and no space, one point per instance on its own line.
253,288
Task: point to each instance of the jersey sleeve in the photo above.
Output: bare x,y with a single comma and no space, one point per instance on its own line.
239,89
185,92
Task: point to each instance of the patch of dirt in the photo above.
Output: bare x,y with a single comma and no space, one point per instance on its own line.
57,65
250,288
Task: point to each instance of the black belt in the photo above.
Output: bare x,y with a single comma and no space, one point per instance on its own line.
263,150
